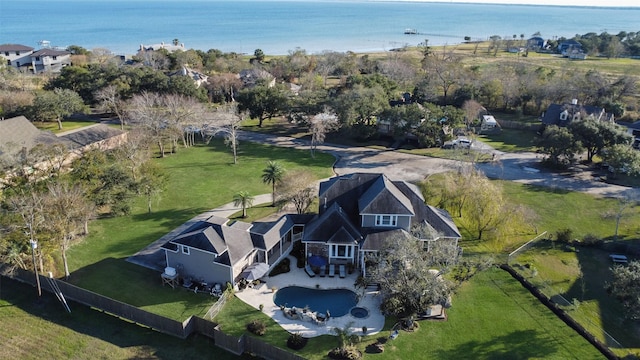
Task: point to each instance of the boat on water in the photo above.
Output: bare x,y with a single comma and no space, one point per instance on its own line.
409,31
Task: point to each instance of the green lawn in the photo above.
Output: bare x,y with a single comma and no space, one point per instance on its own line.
579,276
580,212
42,329
66,125
200,178
510,140
493,317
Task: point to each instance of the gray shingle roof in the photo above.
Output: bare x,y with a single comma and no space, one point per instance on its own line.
15,47
18,133
552,115
383,197
89,135
205,239
328,224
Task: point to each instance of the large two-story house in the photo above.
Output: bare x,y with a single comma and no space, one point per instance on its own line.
42,60
357,214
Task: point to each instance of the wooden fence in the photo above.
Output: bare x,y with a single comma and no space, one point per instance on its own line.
194,324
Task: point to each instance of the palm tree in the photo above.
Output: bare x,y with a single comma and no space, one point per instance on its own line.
244,200
273,174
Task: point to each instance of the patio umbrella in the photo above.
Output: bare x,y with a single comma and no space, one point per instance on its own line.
255,271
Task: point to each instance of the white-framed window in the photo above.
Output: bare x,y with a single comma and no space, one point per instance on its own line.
185,249
386,220
341,251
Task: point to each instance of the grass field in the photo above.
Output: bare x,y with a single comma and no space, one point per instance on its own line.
493,317
66,125
200,178
42,329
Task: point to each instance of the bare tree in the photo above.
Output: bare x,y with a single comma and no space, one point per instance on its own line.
319,126
30,208
227,121
181,112
471,109
111,101
135,151
298,188
147,111
66,215
624,204
223,87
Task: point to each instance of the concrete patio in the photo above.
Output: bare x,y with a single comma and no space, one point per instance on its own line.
262,294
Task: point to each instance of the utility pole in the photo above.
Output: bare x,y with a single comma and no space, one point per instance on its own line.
34,246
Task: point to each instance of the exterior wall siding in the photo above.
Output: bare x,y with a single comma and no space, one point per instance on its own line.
199,265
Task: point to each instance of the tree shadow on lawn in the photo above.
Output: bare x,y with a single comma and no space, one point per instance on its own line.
140,287
595,266
525,344
121,333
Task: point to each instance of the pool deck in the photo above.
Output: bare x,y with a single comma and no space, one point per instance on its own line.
262,294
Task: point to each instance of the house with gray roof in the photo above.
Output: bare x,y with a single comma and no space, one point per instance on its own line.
357,215
42,60
563,114
217,250
359,212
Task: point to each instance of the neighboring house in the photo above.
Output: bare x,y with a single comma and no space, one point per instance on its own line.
50,60
536,43
634,130
43,60
197,77
217,250
359,212
251,77
568,46
155,47
18,135
562,115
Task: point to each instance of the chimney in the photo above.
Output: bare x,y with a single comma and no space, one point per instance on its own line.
574,101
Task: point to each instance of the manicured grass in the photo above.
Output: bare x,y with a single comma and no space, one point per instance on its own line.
492,317
66,125
200,178
510,140
42,329
558,209
580,276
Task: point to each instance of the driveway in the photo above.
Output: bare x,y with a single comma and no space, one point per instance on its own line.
519,167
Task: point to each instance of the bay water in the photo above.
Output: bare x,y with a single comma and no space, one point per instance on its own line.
278,27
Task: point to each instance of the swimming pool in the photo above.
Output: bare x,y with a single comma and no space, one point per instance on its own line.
337,301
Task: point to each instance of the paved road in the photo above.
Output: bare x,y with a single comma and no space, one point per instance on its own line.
520,167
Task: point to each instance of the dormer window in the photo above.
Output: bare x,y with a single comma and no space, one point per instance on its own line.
576,117
185,249
564,115
386,220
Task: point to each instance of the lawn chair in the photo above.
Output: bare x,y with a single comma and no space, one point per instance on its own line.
323,270
309,271
343,271
332,270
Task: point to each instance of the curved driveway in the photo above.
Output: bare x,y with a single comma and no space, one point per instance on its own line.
520,167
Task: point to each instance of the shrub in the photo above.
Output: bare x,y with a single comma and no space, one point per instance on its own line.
296,341
591,240
257,327
564,235
345,353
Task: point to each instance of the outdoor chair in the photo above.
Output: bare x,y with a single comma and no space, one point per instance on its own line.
309,271
323,269
332,270
343,271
